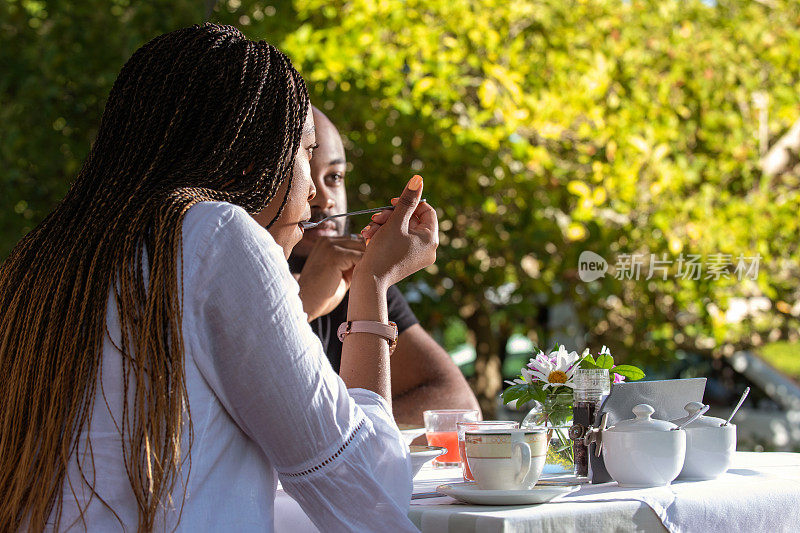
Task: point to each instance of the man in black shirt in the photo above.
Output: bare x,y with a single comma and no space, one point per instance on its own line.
423,375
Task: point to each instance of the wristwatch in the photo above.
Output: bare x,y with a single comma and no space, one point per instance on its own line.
386,331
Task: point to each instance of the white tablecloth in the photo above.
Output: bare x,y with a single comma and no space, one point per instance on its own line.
761,492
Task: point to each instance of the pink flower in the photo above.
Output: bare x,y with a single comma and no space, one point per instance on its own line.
542,359
618,378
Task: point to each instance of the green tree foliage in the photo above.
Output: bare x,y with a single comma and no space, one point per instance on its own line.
59,59
551,127
542,128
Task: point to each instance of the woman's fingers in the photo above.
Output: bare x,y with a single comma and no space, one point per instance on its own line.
369,231
423,223
394,202
407,202
382,216
424,219
403,240
404,208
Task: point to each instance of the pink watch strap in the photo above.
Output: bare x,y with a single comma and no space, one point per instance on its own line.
386,331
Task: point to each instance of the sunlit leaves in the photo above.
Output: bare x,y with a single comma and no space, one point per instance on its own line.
542,128
620,126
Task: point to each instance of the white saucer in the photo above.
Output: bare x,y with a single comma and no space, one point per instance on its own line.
422,454
410,432
562,479
468,492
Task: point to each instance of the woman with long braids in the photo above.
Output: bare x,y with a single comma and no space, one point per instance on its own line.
156,368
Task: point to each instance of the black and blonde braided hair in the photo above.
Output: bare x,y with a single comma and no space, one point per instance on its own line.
195,115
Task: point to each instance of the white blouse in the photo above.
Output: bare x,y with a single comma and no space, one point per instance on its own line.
264,401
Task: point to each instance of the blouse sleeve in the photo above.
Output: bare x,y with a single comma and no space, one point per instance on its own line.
338,452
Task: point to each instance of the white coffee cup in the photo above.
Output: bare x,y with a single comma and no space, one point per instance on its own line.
506,459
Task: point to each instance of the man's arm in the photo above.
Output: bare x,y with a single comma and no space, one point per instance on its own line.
325,277
424,377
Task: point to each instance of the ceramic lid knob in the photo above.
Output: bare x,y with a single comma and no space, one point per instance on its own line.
643,411
643,421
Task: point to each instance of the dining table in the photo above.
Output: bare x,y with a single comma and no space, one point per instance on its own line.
761,491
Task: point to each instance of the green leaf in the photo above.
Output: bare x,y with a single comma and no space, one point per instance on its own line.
514,392
538,393
605,361
525,398
629,371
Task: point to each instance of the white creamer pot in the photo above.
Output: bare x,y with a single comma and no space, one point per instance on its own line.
710,445
641,452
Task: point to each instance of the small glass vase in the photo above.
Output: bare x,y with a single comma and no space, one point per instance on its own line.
556,417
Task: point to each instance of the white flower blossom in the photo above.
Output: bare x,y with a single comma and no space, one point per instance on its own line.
555,369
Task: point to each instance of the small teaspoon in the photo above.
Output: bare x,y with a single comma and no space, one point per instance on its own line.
692,418
308,225
738,405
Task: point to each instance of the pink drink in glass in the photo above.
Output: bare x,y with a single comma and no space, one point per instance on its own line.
440,429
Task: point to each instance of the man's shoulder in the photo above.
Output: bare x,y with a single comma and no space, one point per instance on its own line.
399,311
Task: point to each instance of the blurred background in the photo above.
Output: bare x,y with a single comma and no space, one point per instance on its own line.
656,134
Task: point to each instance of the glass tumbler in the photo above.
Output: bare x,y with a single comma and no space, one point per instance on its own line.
441,430
591,387
471,426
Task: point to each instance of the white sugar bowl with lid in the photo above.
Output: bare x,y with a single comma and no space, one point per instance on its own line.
643,452
710,445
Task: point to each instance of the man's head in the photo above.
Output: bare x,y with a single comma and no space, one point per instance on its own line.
328,168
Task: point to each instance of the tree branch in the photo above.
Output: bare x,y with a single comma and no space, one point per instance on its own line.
777,159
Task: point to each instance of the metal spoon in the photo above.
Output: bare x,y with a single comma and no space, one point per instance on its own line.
692,418
738,405
308,225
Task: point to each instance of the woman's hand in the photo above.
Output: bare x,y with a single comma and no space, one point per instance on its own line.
401,241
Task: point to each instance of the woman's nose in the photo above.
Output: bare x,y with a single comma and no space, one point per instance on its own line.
312,190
